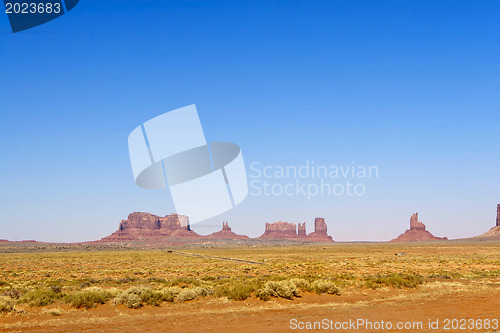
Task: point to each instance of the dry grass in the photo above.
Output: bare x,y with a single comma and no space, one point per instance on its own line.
40,297
284,289
137,278
325,287
53,311
395,280
88,298
6,304
136,297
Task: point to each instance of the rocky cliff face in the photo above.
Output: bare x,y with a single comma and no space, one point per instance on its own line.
416,233
226,233
286,230
146,226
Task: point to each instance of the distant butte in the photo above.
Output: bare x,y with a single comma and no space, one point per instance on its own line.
493,233
289,231
320,231
148,227
417,232
280,230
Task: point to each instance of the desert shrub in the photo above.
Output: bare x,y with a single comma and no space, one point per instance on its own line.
85,284
53,311
135,297
6,304
12,293
238,292
147,295
188,294
114,292
154,298
56,288
170,293
88,282
302,284
156,280
395,281
184,281
125,280
264,294
346,276
209,278
87,298
325,287
132,301
40,297
284,289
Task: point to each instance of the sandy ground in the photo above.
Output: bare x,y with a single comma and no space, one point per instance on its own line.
462,283
435,301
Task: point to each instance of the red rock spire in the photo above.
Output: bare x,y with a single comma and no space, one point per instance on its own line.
498,215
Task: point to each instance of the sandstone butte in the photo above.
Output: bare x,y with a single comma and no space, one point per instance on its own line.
147,227
493,233
417,232
287,230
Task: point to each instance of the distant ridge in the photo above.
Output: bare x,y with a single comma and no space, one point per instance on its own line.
149,228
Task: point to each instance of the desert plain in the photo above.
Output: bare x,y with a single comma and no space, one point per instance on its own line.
251,286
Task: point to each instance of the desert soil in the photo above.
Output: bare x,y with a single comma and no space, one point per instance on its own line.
462,282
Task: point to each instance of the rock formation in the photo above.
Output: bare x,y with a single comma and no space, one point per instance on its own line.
415,224
289,231
301,230
280,230
416,233
226,233
146,226
498,215
493,233
320,231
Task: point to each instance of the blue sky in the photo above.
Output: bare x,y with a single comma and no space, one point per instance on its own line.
409,86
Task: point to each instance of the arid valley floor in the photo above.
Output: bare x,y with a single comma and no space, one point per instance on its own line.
268,288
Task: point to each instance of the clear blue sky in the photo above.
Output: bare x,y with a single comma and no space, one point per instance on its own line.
412,87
